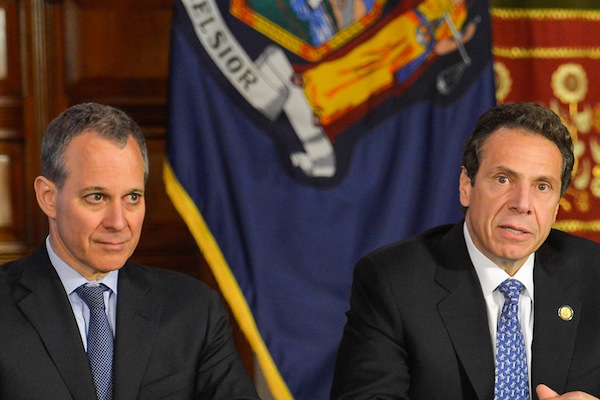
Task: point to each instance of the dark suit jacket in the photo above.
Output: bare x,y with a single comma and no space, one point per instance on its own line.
173,339
417,327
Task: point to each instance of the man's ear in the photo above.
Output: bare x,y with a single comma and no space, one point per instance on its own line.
45,193
464,188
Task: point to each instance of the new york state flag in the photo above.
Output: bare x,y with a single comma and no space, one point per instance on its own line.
304,134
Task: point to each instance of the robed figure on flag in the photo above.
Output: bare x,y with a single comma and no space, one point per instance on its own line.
305,133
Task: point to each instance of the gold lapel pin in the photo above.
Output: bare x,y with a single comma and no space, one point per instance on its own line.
565,313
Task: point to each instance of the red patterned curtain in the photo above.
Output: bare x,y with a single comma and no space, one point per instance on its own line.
548,52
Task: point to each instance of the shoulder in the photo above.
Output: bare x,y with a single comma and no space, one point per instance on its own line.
571,263
30,268
571,245
570,254
168,285
426,245
414,258
38,256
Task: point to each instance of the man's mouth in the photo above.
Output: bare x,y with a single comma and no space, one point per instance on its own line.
513,230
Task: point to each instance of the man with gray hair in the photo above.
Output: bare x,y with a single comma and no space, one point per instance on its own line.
78,319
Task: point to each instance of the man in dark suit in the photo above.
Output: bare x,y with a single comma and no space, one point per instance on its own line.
426,313
172,338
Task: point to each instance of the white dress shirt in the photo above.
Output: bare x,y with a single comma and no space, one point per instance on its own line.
490,276
71,280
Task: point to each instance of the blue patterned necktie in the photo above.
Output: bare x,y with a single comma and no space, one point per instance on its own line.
511,359
99,340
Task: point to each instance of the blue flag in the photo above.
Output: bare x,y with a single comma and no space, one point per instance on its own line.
304,134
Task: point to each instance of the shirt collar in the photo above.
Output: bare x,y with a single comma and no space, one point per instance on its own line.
491,275
72,279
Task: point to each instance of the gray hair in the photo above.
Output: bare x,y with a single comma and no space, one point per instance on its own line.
109,122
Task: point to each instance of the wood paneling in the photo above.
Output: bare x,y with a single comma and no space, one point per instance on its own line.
10,84
12,215
17,220
117,51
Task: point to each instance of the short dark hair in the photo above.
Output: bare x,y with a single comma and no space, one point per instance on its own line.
531,117
109,122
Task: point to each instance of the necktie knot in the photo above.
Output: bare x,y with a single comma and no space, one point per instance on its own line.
93,296
511,289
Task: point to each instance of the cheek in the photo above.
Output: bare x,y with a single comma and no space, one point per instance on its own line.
550,216
72,226
547,207
136,221
76,222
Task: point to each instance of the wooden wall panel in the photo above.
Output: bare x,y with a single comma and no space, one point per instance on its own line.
12,214
117,52
17,225
10,66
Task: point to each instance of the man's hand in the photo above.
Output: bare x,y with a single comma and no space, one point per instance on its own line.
545,393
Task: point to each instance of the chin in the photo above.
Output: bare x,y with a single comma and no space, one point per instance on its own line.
111,264
107,269
516,257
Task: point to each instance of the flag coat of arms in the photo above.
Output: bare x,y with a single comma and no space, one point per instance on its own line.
304,134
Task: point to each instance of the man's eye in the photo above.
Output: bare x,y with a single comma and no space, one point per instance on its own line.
543,186
133,198
502,179
95,197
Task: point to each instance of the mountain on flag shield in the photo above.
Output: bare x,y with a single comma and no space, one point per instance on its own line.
304,134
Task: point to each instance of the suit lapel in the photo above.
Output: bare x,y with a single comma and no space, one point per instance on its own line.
138,313
553,337
464,313
42,299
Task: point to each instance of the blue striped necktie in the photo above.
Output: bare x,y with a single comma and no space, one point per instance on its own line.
99,340
511,360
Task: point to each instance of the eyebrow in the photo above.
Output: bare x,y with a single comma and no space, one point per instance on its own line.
93,189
